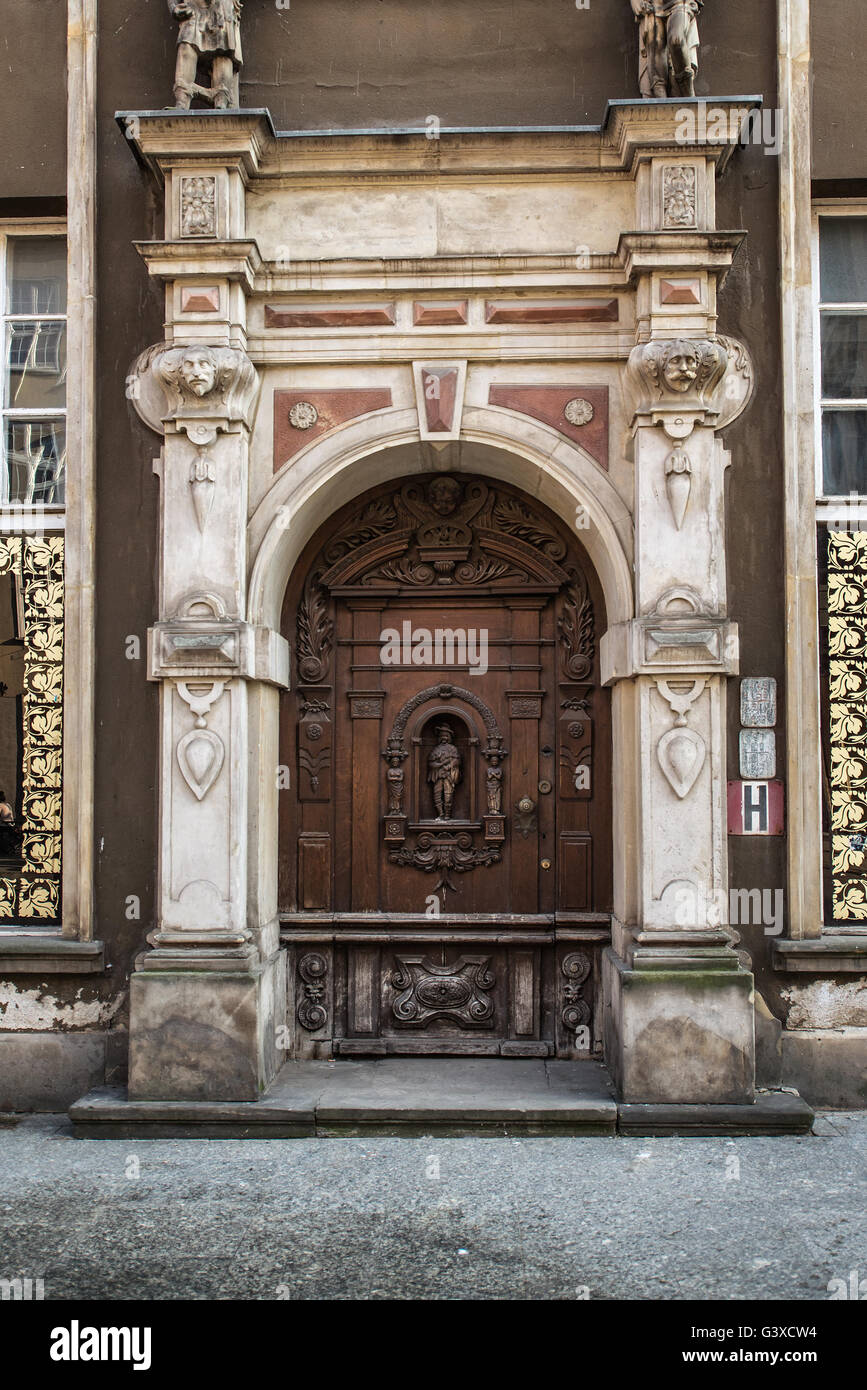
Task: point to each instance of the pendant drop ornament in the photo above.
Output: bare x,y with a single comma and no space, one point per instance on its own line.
200,757
678,484
681,754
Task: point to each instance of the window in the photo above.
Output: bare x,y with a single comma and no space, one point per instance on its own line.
841,371
33,303
842,254
32,494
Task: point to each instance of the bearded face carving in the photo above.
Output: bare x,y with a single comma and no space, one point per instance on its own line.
198,371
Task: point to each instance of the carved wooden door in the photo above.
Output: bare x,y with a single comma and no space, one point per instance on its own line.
445,836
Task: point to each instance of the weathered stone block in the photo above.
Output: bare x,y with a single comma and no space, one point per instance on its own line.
682,1036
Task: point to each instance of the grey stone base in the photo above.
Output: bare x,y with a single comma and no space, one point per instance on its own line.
773,1112
422,1096
48,1071
827,1065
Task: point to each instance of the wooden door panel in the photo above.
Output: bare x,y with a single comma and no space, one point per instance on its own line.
466,784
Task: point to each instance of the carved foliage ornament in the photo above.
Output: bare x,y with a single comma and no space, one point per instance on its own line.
847,675
36,566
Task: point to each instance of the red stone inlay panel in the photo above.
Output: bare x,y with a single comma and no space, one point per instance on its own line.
334,408
552,311
547,403
200,299
328,315
440,388
439,313
680,291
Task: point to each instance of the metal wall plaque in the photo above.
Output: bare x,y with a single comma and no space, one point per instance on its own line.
758,754
756,808
759,702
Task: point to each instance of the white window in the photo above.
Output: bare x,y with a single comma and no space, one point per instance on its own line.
33,388
841,352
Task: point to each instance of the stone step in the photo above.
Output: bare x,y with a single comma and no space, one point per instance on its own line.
413,1096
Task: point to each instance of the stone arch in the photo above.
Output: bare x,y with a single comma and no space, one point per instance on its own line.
386,445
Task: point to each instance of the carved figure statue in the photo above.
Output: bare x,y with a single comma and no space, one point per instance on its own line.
394,780
494,781
210,33
444,771
668,46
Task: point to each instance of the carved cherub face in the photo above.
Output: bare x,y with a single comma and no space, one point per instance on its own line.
681,369
199,372
443,495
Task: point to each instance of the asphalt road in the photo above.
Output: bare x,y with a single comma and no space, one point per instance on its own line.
517,1219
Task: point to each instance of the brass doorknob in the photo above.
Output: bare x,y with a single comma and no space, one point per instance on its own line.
546,863
526,805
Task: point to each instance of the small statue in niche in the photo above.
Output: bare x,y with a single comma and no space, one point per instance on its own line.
444,771
210,32
668,46
494,781
394,781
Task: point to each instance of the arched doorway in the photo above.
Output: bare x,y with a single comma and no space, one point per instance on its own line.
445,835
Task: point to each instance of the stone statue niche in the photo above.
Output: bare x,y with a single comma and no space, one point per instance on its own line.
209,45
668,46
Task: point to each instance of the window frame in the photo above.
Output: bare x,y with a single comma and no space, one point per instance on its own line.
18,517
832,506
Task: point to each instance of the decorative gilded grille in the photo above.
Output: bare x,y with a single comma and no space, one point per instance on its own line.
37,564
847,651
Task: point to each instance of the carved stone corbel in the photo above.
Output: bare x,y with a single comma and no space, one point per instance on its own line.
682,382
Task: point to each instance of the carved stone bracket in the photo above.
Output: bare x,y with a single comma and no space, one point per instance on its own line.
576,1011
313,972
681,382
679,637
201,641
197,389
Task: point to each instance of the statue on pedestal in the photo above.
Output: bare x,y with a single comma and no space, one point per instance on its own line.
210,33
444,771
668,46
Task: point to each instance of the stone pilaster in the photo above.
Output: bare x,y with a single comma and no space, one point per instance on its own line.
679,1014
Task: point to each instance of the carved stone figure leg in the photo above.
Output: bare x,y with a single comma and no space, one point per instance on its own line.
224,84
185,75
680,53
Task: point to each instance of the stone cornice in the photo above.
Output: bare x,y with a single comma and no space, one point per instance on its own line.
631,131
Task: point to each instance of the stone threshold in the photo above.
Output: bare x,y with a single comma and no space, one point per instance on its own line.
448,1097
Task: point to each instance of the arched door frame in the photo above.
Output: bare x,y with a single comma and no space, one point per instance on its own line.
319,481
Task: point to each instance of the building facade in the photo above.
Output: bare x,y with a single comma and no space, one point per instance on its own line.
434,543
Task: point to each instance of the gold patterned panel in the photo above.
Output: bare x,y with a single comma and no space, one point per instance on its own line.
847,651
37,563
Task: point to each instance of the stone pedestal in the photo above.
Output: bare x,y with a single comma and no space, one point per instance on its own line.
201,1034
